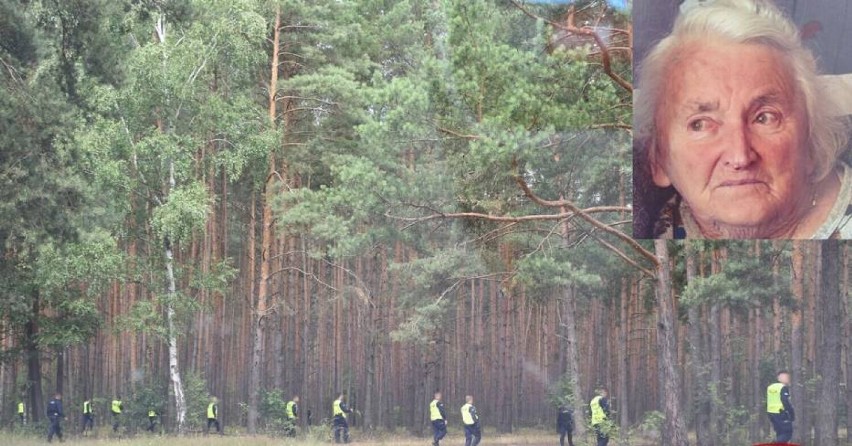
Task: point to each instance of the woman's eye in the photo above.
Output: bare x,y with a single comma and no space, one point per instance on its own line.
698,125
768,118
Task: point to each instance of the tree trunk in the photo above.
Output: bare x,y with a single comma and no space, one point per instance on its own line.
35,395
265,245
60,370
174,369
829,346
698,359
674,431
796,341
848,344
569,324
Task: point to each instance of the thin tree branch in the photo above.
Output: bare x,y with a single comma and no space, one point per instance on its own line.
584,31
588,218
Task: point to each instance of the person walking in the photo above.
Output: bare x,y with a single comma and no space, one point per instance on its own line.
152,420
780,408
565,424
213,416
600,417
340,426
55,415
291,411
438,416
116,408
470,419
88,416
21,412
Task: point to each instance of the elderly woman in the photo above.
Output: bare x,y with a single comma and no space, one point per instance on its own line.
735,134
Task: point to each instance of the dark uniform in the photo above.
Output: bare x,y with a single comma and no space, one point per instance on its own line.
88,416
565,425
780,411
55,414
339,424
438,416
472,430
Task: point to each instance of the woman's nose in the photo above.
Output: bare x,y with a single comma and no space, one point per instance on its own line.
737,150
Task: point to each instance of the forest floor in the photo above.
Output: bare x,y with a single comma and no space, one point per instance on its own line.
523,439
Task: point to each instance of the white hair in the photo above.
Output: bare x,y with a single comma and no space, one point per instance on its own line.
747,22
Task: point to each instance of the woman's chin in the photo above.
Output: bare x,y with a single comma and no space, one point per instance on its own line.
746,221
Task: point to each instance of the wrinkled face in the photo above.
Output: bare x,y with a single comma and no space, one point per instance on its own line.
732,136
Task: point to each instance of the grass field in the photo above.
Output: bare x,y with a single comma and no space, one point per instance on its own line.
522,439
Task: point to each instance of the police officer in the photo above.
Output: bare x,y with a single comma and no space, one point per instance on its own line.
292,413
470,419
115,408
438,416
565,424
339,424
780,409
55,415
21,411
600,416
88,416
152,419
213,416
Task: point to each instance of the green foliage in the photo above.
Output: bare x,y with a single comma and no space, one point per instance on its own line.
561,393
185,211
197,399
545,273
273,412
147,396
745,281
650,428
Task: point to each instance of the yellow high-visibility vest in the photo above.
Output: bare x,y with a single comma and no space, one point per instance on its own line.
773,398
337,410
152,413
87,407
467,418
116,406
434,411
21,408
211,411
290,413
598,414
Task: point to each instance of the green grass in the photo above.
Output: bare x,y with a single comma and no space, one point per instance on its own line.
358,438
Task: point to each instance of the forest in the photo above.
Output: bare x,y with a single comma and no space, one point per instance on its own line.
255,199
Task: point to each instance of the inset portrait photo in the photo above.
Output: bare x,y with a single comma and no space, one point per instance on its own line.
741,119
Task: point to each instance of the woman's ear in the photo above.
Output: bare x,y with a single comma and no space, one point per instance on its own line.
658,174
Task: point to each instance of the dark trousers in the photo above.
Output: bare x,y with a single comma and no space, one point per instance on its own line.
566,433
439,430
21,417
115,421
290,427
341,429
783,427
55,428
152,421
88,421
212,421
603,437
472,434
